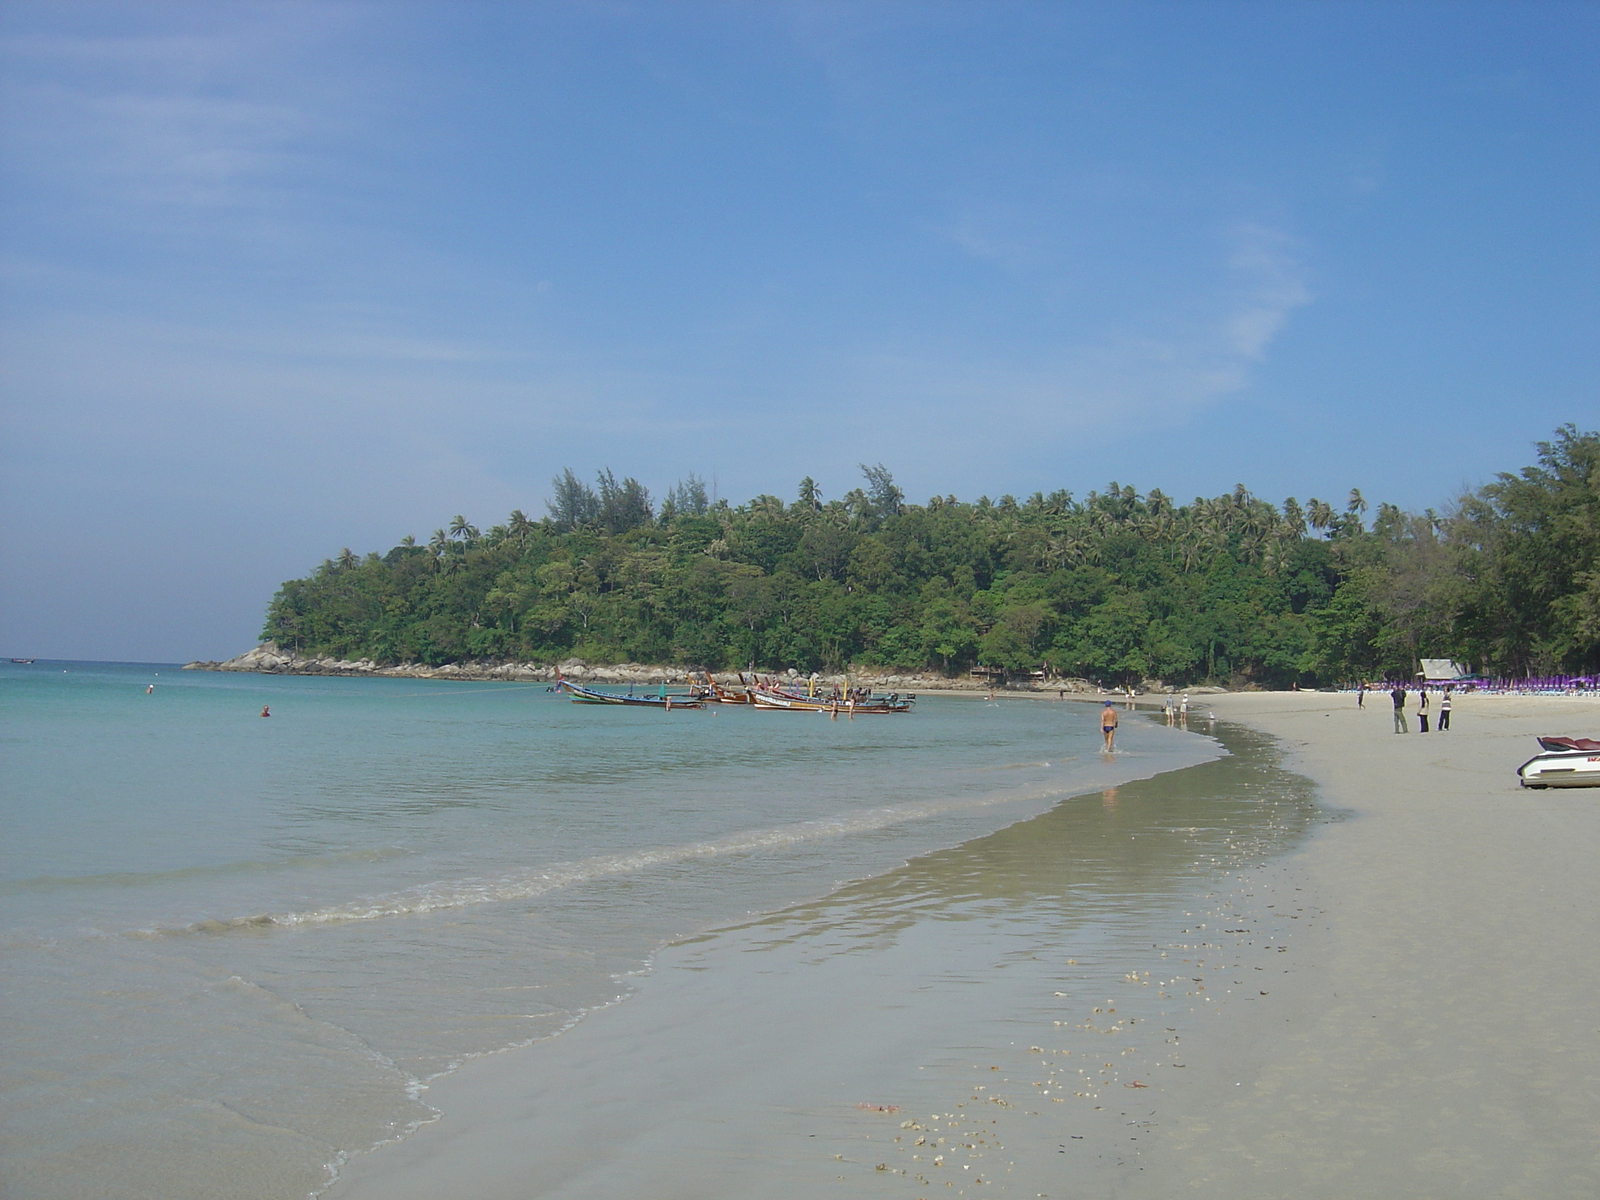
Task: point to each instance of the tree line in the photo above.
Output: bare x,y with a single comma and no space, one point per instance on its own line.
1113,587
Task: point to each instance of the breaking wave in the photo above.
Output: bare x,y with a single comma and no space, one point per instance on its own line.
537,881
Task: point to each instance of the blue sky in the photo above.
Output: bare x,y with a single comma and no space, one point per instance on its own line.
282,278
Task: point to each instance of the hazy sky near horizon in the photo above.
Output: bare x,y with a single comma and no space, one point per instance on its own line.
281,278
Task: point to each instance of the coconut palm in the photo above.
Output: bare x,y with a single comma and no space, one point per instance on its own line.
518,527
1294,521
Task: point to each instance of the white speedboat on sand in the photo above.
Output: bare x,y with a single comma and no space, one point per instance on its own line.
1566,762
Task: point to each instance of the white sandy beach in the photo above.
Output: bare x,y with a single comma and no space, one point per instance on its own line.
1442,1037
1431,1028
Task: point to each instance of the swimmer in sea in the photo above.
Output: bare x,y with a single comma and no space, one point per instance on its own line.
264,711
1108,724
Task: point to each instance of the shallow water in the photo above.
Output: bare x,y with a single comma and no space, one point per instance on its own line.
1014,1016
234,947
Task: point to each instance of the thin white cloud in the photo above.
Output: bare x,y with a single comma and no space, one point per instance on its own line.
1271,285
1167,368
220,119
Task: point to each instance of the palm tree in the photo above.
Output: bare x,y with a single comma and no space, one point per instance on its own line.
461,528
1319,514
1271,556
1189,546
347,559
518,527
1294,521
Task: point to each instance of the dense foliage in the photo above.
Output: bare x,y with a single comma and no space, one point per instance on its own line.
1116,586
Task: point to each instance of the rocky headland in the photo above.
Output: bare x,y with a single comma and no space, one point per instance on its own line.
269,659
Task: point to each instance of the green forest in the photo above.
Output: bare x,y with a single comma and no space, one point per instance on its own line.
1117,586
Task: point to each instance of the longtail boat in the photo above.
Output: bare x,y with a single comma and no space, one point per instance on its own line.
713,692
771,699
583,695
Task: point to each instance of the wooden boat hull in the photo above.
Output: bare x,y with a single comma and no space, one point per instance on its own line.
778,700
788,703
714,693
582,695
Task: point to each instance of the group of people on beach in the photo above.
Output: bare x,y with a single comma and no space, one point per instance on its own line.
1176,711
1397,696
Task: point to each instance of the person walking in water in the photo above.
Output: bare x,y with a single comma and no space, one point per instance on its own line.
1444,711
1108,724
1399,698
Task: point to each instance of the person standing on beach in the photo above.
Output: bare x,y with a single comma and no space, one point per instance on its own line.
1444,711
1422,709
1361,696
1108,724
1399,698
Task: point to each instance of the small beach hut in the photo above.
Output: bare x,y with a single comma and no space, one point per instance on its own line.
1442,670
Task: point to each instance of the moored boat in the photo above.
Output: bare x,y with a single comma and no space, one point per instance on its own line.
584,695
713,692
771,699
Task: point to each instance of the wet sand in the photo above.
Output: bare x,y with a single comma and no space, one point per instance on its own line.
1197,999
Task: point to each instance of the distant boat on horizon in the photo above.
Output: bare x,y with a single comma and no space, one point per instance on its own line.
23,661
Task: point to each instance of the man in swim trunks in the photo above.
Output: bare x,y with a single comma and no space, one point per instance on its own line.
1108,724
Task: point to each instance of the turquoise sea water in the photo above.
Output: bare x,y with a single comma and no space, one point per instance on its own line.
235,946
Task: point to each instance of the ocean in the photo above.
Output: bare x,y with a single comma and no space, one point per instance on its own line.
238,949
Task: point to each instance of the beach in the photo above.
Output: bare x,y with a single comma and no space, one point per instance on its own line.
417,938
1442,1037
1387,990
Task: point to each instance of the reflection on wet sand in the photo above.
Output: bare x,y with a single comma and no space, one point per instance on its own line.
1128,849
1024,987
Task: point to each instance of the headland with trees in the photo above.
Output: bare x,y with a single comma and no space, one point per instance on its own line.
1114,587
